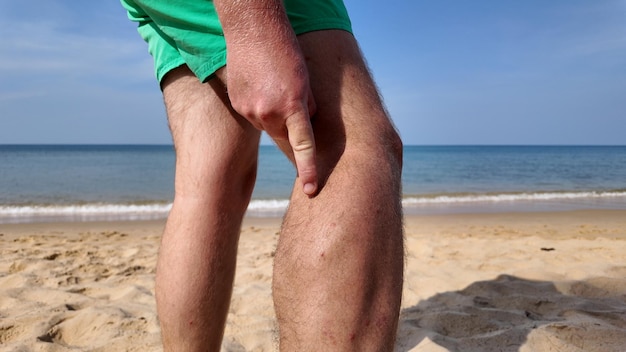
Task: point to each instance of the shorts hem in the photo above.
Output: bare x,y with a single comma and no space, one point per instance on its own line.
207,71
204,72
162,71
324,24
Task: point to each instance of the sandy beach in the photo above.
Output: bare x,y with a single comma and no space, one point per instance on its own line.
548,281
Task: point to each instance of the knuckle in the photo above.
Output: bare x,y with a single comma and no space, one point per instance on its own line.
242,107
302,145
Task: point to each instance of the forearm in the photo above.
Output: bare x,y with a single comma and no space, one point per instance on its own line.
251,22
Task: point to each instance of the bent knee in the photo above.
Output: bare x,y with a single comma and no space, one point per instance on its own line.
394,147
386,148
227,183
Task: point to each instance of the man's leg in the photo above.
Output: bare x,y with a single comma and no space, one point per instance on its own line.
216,157
339,262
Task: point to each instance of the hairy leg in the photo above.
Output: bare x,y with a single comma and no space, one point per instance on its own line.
339,262
216,158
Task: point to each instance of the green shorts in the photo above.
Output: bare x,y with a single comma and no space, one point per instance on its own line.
189,32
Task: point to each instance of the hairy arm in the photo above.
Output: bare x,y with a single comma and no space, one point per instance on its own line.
267,78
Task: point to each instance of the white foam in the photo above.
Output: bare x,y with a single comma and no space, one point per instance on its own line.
267,207
268,204
103,211
276,207
95,211
510,197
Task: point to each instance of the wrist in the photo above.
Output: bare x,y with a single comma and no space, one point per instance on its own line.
253,21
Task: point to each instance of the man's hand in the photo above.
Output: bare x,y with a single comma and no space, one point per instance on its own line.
267,78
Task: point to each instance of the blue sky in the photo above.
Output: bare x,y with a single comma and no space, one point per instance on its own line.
451,72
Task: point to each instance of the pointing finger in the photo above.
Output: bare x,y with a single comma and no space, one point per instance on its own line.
302,141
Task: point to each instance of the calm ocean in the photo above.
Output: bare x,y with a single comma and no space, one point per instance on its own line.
125,182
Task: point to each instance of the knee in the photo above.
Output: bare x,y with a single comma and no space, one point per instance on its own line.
388,149
395,147
247,180
237,183
221,182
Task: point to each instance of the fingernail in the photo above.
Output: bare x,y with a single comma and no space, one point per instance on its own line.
309,188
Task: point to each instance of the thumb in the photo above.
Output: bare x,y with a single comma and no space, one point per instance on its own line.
302,142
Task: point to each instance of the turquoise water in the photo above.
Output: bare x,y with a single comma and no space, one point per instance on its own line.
43,183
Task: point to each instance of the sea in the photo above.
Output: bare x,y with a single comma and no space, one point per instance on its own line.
45,183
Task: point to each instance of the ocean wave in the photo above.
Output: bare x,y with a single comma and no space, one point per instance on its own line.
104,211
268,204
276,207
511,197
267,207
82,212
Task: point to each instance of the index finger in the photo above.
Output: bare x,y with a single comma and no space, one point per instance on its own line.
302,141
